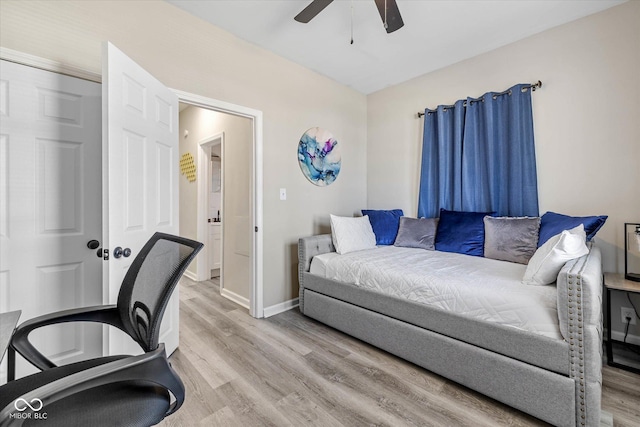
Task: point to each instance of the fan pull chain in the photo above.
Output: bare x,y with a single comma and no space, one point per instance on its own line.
352,21
386,26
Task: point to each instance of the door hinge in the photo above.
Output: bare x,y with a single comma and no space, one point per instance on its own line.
256,228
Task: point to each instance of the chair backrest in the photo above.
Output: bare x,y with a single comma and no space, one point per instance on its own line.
149,283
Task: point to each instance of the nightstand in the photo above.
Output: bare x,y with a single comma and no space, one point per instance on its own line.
617,282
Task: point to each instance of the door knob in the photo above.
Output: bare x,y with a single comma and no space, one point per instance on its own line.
119,252
93,244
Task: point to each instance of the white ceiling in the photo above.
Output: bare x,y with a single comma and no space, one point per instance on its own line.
436,33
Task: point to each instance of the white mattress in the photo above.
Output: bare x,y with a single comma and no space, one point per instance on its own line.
476,287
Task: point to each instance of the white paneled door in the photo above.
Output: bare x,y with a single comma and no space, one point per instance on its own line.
140,185
50,206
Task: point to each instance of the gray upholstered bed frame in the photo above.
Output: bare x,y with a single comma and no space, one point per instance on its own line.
558,381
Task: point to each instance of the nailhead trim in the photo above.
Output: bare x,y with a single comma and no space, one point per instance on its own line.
576,352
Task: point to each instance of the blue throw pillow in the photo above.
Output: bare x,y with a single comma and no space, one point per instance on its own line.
554,223
385,224
461,232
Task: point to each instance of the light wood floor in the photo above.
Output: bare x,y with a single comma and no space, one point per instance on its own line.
289,370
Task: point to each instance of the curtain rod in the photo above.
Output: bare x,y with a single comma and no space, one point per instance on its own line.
533,86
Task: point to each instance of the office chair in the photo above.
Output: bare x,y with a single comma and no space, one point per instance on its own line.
114,390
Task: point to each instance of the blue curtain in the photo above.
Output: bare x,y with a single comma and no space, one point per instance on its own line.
479,156
441,176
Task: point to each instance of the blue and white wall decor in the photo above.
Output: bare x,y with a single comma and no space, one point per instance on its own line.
319,156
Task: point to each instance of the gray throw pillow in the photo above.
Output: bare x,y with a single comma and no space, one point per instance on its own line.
417,233
513,239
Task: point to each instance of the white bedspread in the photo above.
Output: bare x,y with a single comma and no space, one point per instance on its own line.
477,287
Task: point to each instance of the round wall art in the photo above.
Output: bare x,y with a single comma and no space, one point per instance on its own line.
319,156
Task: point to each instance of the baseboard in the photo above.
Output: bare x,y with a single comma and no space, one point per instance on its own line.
238,299
619,336
279,308
191,275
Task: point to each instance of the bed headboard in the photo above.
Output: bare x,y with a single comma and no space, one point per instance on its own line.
308,247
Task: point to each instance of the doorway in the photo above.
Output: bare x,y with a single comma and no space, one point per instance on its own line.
204,123
209,205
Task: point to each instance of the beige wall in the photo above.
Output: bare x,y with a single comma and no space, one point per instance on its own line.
238,142
587,123
236,224
189,54
189,190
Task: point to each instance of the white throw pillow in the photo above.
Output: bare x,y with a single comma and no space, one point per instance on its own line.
352,234
548,260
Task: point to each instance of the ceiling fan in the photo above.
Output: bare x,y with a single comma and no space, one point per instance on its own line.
388,9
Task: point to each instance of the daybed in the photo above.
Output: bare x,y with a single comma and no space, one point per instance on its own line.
554,376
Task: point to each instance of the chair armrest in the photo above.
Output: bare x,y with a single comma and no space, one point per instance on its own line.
152,367
20,340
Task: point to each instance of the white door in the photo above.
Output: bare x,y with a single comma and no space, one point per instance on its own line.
50,206
140,170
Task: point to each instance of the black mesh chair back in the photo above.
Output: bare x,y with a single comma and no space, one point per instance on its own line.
114,390
149,283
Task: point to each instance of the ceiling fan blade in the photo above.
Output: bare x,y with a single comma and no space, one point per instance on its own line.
314,8
394,20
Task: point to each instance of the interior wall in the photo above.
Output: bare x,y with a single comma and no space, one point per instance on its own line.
237,228
188,54
201,124
586,122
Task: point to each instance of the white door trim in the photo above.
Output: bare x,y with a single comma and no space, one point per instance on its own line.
203,270
48,65
256,308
